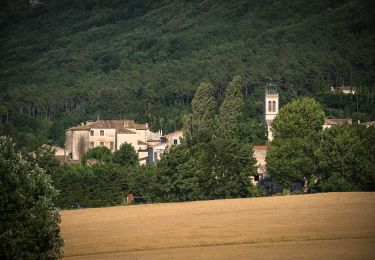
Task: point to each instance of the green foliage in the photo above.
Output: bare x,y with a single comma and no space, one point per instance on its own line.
100,153
29,221
296,131
298,119
126,155
175,179
199,127
233,164
346,159
231,111
291,159
68,61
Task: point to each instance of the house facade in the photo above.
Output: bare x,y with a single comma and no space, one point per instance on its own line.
328,122
155,151
111,134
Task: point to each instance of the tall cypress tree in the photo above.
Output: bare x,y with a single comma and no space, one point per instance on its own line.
199,126
231,111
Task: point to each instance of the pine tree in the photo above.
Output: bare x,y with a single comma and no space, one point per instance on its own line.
199,126
231,111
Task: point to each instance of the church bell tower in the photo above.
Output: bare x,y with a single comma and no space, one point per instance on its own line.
271,107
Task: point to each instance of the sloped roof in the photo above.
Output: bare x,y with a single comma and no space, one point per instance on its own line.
368,123
153,137
347,88
260,147
141,142
177,133
121,126
337,121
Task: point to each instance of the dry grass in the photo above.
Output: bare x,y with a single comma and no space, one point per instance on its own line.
331,225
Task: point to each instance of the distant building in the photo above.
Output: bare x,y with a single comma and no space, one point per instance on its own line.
111,134
328,122
345,89
368,124
260,152
271,107
155,151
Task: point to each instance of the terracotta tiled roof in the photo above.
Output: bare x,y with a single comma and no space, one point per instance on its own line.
125,131
258,147
120,125
337,121
173,134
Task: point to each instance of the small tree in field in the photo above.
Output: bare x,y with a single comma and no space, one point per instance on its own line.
29,223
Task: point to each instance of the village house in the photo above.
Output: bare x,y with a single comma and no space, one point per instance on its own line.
329,122
155,151
368,124
111,134
345,89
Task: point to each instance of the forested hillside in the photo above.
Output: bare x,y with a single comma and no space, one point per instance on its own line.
67,61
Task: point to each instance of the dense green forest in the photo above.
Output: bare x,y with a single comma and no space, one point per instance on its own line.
67,61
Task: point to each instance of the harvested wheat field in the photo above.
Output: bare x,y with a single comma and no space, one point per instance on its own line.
317,226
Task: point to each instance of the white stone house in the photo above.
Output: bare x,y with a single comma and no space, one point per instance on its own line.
155,151
111,134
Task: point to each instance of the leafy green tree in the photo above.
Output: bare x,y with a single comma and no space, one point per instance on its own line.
29,221
231,111
296,129
45,158
299,118
175,179
199,126
233,164
141,181
100,153
126,155
346,160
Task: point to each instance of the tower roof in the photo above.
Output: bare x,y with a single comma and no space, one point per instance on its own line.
270,88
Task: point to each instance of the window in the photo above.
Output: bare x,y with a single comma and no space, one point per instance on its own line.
274,106
101,132
269,106
111,145
174,141
91,144
92,132
101,143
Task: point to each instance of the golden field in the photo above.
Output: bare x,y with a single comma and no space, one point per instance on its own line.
316,226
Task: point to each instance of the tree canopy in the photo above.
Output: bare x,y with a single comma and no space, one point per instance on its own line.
29,222
346,159
296,130
65,62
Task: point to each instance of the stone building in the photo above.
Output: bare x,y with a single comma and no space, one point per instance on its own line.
260,152
329,122
155,151
111,134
